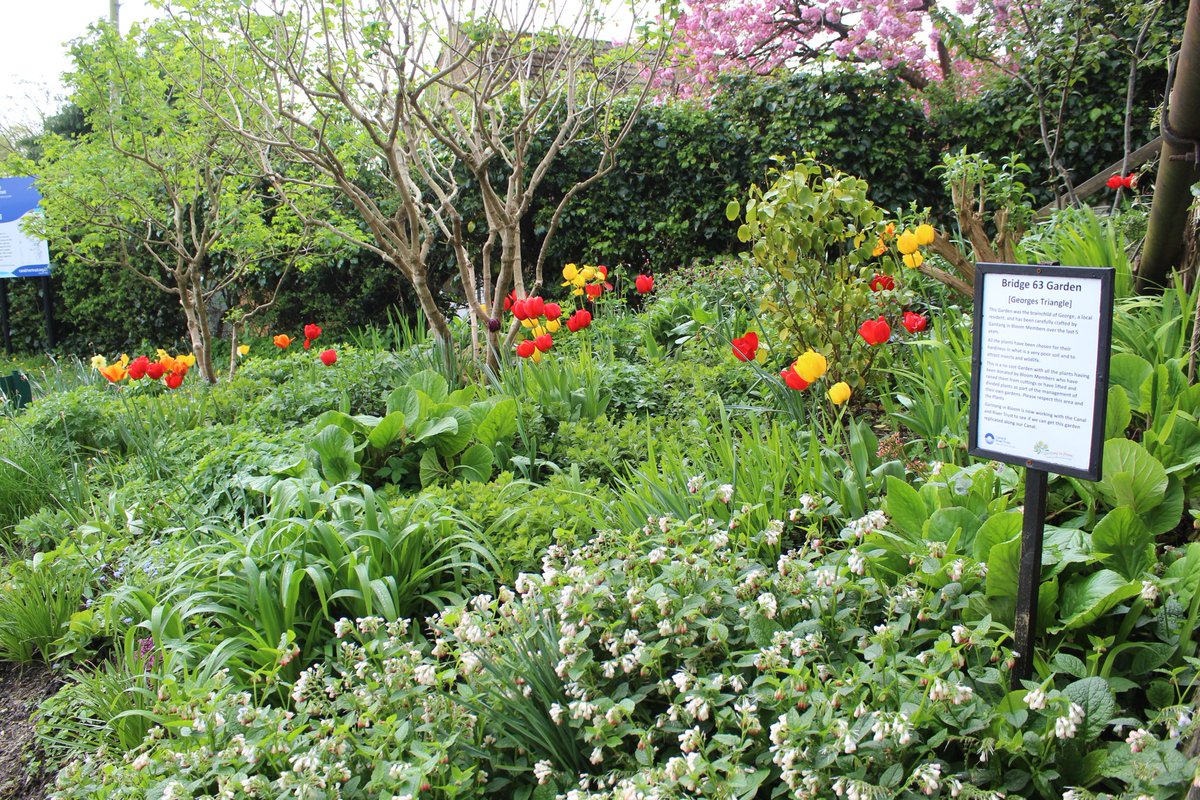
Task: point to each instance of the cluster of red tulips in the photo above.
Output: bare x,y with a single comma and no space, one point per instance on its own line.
311,334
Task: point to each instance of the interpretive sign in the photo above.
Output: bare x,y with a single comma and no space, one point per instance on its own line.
1040,366
21,255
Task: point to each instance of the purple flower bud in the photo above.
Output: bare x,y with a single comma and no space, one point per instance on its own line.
493,324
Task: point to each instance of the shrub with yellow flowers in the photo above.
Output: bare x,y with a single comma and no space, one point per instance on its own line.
834,268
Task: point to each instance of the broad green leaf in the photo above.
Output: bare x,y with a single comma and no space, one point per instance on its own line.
406,400
1003,568
452,442
994,530
500,423
476,463
349,424
1086,598
732,209
905,508
390,430
1129,371
462,397
1132,477
432,470
1124,543
431,384
946,522
427,429
1096,698
1119,414
335,449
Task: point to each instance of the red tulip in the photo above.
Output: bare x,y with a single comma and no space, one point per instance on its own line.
745,348
328,357
174,379
603,270
1114,182
881,282
519,309
535,307
155,370
644,284
553,311
510,299
593,290
579,320
525,349
793,380
1129,181
875,331
312,331
914,322
544,342
137,368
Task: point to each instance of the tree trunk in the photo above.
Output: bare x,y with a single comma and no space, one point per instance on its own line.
1172,195
193,312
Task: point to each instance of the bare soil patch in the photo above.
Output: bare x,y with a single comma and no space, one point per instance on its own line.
22,688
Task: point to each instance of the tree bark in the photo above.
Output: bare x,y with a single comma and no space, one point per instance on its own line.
1172,195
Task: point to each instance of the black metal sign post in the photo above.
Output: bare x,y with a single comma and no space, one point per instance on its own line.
1029,578
4,328
1039,394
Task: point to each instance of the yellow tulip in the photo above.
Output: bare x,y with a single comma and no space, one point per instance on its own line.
570,271
925,234
243,349
914,260
810,366
538,330
537,356
588,273
576,292
189,359
123,360
907,243
553,325
839,393
527,323
115,372
160,354
99,362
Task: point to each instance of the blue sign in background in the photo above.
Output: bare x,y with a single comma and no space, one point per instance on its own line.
21,255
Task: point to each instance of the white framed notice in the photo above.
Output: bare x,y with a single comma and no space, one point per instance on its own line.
1039,371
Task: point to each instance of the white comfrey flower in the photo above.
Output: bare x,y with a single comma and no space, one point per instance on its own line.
1149,592
1035,699
697,707
695,483
768,605
1067,726
543,771
927,778
691,740
682,681
174,791
425,675
342,627
935,467
1139,739
657,554
857,562
955,573
773,532
725,492
556,713
719,540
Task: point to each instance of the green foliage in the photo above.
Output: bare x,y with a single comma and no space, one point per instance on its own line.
38,597
428,435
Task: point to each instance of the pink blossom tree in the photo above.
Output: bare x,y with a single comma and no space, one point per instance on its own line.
918,39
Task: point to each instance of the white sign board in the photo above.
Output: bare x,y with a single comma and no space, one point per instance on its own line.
21,255
1040,367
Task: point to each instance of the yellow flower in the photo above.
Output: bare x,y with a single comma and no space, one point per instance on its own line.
890,229
160,354
527,323
880,248
570,271
925,234
839,393
538,330
588,273
914,260
907,242
123,360
99,362
243,349
537,356
552,326
115,373
576,292
189,359
810,366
